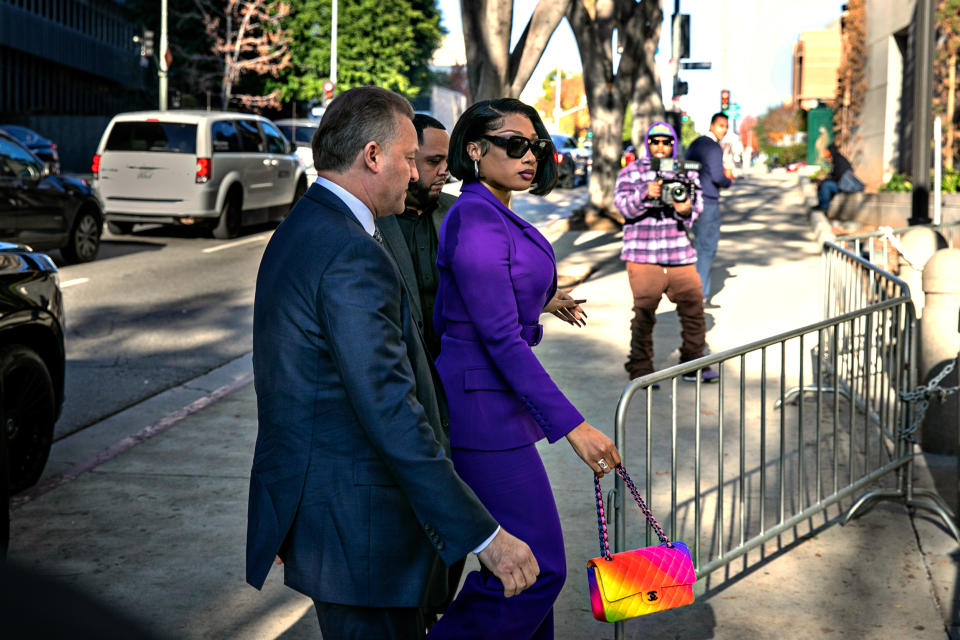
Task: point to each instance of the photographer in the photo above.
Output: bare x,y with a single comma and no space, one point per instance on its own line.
660,198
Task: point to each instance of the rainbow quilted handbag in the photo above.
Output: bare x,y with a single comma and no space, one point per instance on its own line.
634,583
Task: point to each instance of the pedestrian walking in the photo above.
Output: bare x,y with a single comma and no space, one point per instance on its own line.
660,206
497,276
351,486
707,151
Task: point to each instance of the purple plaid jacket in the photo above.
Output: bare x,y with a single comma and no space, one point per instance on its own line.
654,238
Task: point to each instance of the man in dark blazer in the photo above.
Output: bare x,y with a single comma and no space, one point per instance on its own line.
411,239
426,205
351,486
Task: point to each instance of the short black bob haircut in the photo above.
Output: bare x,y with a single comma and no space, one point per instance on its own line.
479,120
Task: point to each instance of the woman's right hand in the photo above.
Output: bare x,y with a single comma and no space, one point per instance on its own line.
593,446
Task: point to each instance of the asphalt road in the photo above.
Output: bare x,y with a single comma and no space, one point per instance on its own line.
162,306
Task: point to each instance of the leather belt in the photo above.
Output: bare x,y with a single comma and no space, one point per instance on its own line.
531,333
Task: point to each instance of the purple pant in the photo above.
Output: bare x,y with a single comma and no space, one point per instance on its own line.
514,487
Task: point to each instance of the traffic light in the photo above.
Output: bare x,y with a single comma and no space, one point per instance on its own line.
680,88
724,100
328,88
146,47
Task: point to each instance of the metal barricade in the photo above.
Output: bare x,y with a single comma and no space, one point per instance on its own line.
882,246
758,465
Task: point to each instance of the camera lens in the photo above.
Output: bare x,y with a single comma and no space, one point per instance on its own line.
678,193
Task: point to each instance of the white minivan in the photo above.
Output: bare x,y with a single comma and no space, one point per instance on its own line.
213,168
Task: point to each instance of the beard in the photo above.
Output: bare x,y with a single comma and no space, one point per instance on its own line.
421,197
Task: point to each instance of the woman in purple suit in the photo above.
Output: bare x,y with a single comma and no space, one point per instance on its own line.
497,276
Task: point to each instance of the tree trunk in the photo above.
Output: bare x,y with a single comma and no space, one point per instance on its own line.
646,103
608,94
493,71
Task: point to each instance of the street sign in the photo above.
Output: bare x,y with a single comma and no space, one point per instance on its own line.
696,65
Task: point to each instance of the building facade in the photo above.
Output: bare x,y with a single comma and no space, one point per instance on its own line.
66,66
816,58
883,141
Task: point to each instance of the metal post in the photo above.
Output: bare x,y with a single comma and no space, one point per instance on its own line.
937,171
922,110
333,44
162,73
675,47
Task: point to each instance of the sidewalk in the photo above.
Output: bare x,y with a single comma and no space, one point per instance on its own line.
158,529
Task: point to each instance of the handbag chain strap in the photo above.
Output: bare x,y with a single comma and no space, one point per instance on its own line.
602,520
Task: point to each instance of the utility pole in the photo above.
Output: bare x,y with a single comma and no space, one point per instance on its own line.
333,45
675,49
557,109
922,111
162,73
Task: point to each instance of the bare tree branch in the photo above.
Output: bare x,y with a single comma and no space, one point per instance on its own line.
249,38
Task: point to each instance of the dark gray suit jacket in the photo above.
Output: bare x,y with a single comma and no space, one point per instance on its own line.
350,483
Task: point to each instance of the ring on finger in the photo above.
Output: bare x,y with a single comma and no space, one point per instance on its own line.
603,465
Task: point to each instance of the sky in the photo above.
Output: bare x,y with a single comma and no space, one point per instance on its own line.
748,42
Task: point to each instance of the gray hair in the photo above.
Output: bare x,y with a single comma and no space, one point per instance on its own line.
356,117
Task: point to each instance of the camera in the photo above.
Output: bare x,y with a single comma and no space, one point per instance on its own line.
679,187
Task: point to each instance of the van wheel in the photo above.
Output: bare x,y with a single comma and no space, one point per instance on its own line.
228,225
29,411
120,228
84,238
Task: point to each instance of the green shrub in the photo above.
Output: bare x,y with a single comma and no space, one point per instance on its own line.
898,183
901,183
950,181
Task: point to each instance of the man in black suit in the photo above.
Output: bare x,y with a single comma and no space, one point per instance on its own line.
426,205
351,485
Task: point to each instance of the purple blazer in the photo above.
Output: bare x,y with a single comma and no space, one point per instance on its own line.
497,272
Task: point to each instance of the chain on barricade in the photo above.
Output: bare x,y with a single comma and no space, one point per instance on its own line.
921,396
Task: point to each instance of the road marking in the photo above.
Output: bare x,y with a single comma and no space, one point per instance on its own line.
230,245
70,283
128,443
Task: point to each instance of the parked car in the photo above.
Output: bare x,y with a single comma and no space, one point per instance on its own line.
46,211
43,148
300,132
31,359
221,170
573,161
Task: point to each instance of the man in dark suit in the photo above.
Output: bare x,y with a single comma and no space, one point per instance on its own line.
351,486
411,239
422,216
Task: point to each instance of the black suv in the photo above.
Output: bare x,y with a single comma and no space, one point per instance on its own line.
46,211
31,360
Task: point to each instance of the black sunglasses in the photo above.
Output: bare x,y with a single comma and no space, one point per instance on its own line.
664,141
516,146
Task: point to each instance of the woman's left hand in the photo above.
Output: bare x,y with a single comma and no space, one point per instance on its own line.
594,448
567,309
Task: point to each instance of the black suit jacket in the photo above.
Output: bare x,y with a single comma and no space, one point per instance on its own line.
350,482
